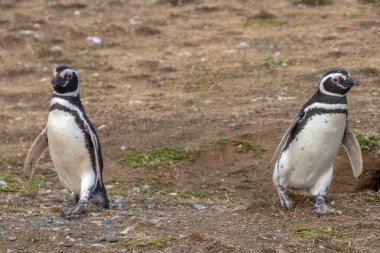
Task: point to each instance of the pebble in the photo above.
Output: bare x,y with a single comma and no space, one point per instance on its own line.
3,183
136,190
47,220
147,187
126,231
111,238
34,214
199,207
120,200
107,221
96,245
135,20
243,44
30,32
56,48
95,40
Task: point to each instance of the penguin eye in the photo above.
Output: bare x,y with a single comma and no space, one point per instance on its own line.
335,79
69,76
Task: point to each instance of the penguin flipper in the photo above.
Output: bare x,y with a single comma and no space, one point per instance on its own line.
95,144
35,152
352,147
283,140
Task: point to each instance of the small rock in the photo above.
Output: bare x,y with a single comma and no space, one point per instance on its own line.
135,20
56,48
111,238
95,40
107,221
136,102
120,200
199,207
3,183
147,187
126,231
96,245
136,190
68,244
34,214
243,44
12,239
30,32
47,220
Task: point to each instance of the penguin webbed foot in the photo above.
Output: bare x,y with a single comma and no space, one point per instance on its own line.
322,208
74,211
286,202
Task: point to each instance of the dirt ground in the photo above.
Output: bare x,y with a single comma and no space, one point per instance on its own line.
195,75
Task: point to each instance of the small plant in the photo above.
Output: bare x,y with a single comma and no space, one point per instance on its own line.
311,2
353,14
157,243
366,70
155,157
245,184
369,141
246,146
264,17
270,61
372,197
307,232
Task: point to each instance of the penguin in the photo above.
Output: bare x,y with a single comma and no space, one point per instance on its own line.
72,142
309,147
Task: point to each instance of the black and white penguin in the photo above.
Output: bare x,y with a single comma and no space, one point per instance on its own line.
73,144
308,149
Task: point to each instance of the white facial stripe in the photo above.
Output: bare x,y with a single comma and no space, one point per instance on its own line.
324,91
70,72
325,106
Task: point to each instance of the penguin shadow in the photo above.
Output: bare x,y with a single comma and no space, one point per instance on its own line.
93,206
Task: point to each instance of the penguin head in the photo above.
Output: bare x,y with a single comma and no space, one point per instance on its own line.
65,81
337,83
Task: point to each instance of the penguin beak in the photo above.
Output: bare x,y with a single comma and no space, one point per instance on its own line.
350,81
58,81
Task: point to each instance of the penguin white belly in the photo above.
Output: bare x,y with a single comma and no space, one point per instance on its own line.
68,151
313,151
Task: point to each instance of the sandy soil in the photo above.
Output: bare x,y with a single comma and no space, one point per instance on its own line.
197,76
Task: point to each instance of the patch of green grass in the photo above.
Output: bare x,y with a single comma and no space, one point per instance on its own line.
372,197
217,142
270,61
352,14
117,192
246,146
309,232
187,194
264,17
14,162
369,141
156,243
147,31
367,70
155,157
245,184
311,2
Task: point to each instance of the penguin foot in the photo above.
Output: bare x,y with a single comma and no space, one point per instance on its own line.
75,210
286,202
321,207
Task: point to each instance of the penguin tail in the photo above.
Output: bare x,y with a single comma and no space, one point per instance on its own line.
100,196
